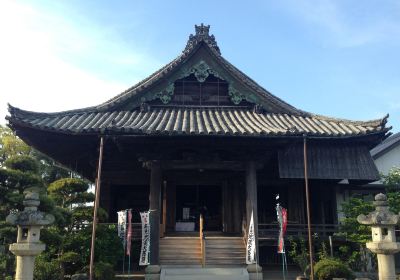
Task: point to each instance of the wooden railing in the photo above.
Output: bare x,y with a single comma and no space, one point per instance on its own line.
202,241
136,229
271,231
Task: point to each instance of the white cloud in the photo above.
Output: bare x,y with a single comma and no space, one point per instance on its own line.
347,23
52,64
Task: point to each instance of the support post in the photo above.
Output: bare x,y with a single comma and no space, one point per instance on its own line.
255,271
310,247
96,206
153,270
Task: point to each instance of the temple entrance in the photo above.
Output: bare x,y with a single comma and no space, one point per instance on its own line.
191,201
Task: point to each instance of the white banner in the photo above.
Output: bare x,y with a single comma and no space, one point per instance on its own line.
145,250
251,243
122,226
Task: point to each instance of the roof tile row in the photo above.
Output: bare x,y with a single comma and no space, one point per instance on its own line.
197,121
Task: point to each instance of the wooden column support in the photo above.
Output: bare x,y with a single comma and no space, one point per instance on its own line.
251,199
155,206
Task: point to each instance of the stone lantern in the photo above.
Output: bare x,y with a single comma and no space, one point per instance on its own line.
382,222
28,246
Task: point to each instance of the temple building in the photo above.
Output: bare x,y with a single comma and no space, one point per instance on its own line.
198,137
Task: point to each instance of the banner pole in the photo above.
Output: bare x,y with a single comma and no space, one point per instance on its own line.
96,206
129,239
129,264
124,242
123,261
308,207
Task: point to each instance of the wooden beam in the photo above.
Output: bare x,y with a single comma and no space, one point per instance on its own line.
205,165
154,199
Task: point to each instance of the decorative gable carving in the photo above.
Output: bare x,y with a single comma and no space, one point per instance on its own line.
202,34
200,85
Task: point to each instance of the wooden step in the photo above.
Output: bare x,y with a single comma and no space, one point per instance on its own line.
180,251
187,251
225,251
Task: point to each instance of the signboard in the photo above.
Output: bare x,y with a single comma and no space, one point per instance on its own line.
251,243
122,226
145,250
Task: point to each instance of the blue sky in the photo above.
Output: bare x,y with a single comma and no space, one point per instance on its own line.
336,58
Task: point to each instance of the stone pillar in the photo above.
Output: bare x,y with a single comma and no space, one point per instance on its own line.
153,270
382,222
255,271
28,246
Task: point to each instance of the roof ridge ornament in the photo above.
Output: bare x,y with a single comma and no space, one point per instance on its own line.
202,34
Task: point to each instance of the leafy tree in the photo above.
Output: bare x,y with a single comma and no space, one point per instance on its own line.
73,227
10,145
17,174
20,170
349,227
392,184
69,200
356,254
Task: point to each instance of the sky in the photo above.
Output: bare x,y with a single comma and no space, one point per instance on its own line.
336,58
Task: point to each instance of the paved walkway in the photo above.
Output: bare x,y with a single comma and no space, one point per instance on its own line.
269,273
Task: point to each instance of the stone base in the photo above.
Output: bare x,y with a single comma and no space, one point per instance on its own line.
27,249
386,248
255,272
152,272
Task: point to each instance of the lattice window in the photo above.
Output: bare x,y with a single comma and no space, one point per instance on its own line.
213,91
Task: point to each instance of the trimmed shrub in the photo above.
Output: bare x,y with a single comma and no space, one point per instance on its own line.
47,270
104,271
82,276
23,163
328,268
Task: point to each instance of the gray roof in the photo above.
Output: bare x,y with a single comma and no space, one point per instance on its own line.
351,162
386,145
276,117
231,121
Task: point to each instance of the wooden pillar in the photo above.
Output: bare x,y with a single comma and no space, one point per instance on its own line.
154,199
105,201
251,199
237,208
164,210
171,206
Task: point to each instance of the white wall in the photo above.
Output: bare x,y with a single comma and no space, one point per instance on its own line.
388,160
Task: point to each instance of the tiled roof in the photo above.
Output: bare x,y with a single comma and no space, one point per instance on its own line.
230,121
278,104
195,42
328,161
280,117
388,144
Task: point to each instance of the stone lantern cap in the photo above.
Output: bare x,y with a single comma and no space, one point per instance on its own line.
381,215
30,216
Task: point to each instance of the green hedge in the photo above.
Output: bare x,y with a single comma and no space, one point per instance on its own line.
326,269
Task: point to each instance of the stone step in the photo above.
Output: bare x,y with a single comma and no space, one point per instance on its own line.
204,274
